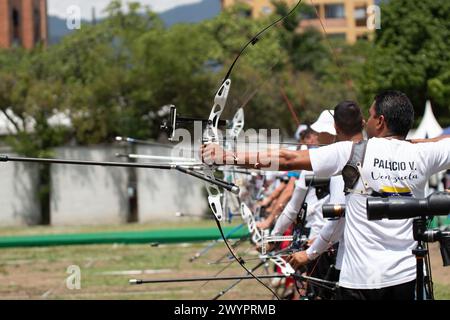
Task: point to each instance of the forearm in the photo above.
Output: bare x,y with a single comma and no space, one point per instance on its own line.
333,230
271,207
276,193
286,194
290,212
281,159
430,140
283,222
330,234
268,222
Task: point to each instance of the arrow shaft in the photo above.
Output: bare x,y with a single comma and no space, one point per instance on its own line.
224,278
221,293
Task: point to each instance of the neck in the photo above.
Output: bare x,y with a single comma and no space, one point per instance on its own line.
354,138
389,135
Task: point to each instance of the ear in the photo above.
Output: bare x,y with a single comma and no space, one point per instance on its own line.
381,123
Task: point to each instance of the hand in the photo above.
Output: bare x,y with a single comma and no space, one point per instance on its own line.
268,210
265,202
263,224
213,153
298,259
270,246
310,241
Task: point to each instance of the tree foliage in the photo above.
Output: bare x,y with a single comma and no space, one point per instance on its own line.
411,53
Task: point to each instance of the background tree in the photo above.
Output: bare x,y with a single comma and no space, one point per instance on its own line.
29,98
411,53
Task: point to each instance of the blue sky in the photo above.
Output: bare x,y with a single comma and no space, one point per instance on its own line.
59,7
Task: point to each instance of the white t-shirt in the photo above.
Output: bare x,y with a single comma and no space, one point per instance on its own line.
333,230
314,217
290,212
378,254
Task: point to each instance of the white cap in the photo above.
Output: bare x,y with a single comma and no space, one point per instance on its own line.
300,129
325,123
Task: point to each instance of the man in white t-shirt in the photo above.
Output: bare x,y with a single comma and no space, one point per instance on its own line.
348,123
325,129
378,262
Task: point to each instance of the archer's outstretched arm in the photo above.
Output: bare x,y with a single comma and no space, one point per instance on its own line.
446,136
294,160
276,159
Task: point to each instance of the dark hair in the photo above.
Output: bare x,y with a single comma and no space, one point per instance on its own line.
397,110
306,133
348,117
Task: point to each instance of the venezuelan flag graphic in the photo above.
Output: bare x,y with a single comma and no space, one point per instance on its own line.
395,191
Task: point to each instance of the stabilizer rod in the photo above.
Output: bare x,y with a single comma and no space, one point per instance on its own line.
185,169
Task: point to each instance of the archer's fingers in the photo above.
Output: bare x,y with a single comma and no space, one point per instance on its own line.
289,258
207,154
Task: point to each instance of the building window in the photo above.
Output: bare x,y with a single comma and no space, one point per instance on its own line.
360,16
37,25
15,17
334,11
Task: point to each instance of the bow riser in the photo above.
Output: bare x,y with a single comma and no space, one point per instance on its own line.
211,135
220,100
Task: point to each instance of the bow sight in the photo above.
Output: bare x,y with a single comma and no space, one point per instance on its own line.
174,121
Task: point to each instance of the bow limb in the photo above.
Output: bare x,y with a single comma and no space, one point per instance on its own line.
230,201
248,217
211,135
214,198
284,266
257,239
237,124
220,100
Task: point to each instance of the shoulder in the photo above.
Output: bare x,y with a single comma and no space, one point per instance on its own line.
338,151
439,148
435,144
395,143
342,146
329,160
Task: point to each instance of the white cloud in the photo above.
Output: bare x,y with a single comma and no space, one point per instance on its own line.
60,7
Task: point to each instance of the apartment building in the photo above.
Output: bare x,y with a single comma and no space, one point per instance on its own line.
345,19
23,23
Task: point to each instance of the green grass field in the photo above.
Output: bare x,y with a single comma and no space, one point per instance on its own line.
41,272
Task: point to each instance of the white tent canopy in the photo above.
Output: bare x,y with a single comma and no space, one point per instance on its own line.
428,127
